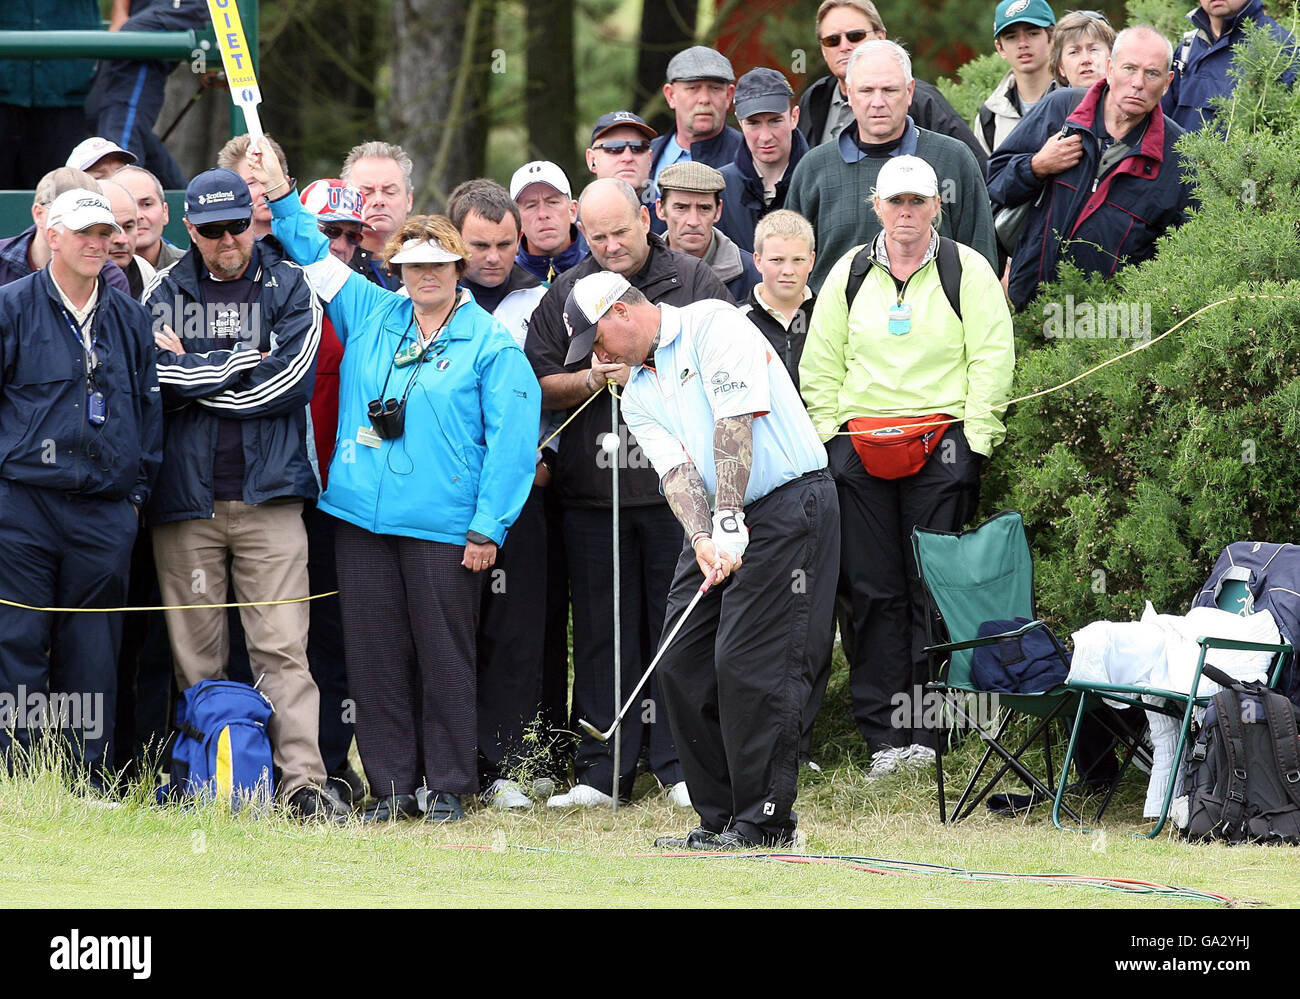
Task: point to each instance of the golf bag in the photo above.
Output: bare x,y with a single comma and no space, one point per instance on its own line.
221,749
1242,777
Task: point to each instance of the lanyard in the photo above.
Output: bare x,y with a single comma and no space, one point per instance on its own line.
422,349
87,343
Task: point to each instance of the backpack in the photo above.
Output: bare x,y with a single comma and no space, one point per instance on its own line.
947,260
1242,777
221,749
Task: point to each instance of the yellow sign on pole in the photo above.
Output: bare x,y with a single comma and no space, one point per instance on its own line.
237,59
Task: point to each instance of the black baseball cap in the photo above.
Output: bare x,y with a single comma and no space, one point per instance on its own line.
620,119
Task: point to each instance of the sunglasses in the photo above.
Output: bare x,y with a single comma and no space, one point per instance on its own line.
335,231
1094,15
854,36
215,230
616,148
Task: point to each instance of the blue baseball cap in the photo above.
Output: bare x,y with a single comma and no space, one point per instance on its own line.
1010,12
217,196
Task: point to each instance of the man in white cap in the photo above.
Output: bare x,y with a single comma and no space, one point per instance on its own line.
745,475
550,243
81,417
100,157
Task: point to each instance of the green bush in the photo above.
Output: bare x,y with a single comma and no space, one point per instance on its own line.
1133,479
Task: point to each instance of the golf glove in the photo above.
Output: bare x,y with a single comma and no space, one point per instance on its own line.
730,534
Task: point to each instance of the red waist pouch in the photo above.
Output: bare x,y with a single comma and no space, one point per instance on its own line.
894,447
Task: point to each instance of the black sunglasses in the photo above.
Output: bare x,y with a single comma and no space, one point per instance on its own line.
1094,15
616,148
215,230
335,231
854,36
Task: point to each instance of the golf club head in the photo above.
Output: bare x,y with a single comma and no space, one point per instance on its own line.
592,730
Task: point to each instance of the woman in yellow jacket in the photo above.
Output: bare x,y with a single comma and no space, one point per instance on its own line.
906,386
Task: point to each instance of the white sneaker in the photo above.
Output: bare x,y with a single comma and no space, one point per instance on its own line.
679,796
886,761
505,794
580,795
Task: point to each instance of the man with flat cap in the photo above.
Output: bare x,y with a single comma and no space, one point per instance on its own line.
700,86
758,178
690,204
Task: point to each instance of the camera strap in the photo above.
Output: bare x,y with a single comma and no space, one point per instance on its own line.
420,357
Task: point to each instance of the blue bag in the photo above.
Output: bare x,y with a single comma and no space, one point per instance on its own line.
221,751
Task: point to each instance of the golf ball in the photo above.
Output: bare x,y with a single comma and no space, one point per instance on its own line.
609,443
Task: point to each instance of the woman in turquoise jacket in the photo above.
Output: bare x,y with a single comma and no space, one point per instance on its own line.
433,460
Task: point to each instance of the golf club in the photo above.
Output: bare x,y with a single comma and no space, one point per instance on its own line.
591,729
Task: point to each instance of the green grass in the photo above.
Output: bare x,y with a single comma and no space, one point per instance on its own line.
68,849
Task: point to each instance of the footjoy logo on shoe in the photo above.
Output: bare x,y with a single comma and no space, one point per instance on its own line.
769,808
102,953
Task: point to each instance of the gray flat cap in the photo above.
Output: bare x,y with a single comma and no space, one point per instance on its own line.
700,62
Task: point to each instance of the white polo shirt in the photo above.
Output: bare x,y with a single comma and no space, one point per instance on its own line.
712,363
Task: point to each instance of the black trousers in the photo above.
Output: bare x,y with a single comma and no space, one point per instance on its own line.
737,676
325,655
62,550
877,518
410,612
649,541
512,643
145,674
555,659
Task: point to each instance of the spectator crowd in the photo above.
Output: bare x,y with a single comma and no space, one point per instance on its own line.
800,328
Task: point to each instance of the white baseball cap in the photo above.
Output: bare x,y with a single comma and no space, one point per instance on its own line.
589,299
424,251
906,175
539,172
79,209
91,151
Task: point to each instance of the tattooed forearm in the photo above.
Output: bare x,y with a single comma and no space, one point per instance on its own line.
733,457
688,499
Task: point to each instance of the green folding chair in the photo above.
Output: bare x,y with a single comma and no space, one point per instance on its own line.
1176,704
987,574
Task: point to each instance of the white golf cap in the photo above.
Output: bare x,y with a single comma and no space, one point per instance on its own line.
91,151
539,172
79,209
589,299
906,175
424,251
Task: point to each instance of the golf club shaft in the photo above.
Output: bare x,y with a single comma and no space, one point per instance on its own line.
618,720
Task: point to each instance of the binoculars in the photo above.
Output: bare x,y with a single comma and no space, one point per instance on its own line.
387,418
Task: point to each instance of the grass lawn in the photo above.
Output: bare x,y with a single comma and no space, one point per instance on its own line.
62,849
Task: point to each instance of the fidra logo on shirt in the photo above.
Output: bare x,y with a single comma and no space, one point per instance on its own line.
723,382
102,953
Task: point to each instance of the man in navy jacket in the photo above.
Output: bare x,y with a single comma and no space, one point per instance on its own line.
237,330
80,442
700,86
768,122
1099,168
1205,55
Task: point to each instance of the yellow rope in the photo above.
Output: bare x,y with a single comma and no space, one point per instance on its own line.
124,610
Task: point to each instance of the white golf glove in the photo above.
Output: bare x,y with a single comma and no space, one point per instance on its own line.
730,535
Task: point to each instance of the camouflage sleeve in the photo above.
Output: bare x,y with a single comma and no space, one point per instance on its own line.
733,458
